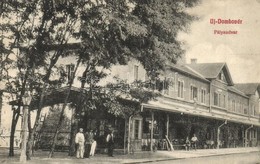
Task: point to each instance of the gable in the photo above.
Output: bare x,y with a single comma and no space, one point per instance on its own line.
226,77
222,76
213,71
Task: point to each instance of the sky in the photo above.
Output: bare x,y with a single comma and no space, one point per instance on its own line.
240,51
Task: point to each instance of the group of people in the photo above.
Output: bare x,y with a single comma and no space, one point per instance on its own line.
86,143
191,143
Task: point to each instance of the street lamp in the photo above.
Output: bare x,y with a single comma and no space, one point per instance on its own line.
26,102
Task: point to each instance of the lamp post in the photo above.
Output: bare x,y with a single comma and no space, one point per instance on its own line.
26,102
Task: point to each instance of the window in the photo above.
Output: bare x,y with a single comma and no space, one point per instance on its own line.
233,105
224,101
254,111
255,133
136,72
221,76
229,104
216,99
203,96
136,131
238,106
180,89
70,70
193,93
245,111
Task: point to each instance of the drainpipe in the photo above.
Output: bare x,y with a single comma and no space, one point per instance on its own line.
218,141
167,125
248,109
246,144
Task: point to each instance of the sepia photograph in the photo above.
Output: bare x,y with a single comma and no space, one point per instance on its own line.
130,81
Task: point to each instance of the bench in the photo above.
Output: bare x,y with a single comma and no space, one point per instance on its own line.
179,147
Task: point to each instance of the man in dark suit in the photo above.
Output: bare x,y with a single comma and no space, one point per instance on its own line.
110,143
88,141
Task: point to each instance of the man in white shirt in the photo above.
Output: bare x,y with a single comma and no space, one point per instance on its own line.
194,141
80,140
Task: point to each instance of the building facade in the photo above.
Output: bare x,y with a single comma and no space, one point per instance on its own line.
199,99
196,98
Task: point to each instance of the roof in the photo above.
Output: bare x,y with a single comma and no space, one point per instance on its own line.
208,70
187,70
212,70
248,88
235,90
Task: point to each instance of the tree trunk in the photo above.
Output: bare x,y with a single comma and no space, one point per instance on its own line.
29,143
1,105
74,129
16,114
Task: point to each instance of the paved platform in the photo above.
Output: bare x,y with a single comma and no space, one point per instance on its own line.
181,154
138,157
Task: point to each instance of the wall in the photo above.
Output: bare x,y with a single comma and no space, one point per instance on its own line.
220,88
241,103
124,72
188,82
6,121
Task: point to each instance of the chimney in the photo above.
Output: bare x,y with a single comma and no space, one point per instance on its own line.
193,61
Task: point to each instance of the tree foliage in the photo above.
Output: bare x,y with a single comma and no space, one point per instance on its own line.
107,33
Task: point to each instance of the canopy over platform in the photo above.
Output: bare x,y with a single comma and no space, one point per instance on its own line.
53,97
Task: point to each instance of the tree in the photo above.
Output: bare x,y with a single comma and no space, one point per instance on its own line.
110,32
164,19
113,32
7,62
39,28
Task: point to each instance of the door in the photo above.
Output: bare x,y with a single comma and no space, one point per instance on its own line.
136,137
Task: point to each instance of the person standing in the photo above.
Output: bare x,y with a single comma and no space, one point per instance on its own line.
89,139
194,141
94,144
80,140
187,144
110,143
